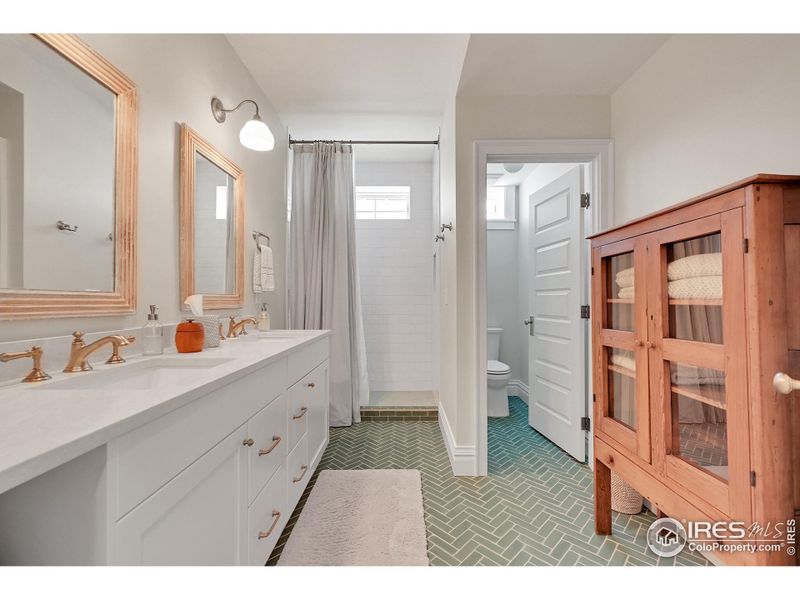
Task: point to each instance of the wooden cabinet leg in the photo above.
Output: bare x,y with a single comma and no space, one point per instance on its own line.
602,498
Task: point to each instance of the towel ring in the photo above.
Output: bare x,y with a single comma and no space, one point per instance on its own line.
258,234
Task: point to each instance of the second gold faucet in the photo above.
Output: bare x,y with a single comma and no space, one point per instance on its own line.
80,351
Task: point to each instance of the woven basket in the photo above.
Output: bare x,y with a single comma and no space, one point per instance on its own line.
624,499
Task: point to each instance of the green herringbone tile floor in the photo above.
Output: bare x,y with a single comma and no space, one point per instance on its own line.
534,508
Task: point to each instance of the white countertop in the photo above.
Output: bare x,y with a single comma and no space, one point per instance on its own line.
42,428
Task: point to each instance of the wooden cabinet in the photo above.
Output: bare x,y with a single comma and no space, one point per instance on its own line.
691,323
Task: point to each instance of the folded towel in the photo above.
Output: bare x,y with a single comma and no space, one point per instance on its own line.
696,265
626,292
688,375
705,288
624,278
257,271
623,359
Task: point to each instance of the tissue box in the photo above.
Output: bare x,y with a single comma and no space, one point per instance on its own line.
211,327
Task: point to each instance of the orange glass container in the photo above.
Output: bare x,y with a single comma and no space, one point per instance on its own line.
189,336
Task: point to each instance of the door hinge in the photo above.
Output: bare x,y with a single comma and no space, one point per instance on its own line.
585,200
585,311
594,397
752,478
746,245
592,270
586,423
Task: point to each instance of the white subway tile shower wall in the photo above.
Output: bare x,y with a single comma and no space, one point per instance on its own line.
395,264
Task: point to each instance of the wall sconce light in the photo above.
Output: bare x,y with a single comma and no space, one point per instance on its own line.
255,134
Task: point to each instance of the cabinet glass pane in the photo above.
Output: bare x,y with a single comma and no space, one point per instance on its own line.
622,387
619,292
694,289
699,417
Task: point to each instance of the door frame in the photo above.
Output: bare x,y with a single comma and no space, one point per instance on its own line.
600,154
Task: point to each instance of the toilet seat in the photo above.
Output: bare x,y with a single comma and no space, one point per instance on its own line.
495,367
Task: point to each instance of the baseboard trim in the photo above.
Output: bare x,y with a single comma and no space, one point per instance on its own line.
462,458
518,388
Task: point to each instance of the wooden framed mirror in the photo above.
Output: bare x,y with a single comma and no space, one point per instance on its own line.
68,180
212,224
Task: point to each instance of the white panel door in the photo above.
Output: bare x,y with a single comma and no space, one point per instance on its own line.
556,372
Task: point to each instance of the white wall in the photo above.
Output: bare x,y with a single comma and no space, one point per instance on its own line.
502,282
395,265
702,112
176,76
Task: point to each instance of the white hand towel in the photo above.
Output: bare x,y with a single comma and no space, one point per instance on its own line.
257,288
266,273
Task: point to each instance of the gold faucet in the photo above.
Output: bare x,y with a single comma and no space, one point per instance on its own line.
236,329
37,373
79,354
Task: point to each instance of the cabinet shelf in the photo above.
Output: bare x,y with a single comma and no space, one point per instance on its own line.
619,300
695,301
711,395
622,371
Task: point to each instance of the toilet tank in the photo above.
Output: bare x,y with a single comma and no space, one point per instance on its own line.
494,343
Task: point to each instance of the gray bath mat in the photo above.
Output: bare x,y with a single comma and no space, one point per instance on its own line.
360,518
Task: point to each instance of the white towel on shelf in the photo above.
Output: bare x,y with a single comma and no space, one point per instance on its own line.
624,278
701,288
626,292
263,273
696,265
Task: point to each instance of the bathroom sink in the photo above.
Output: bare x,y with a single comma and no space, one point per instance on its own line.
147,374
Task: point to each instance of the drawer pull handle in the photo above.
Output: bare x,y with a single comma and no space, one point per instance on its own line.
303,470
312,384
248,442
301,414
276,514
276,439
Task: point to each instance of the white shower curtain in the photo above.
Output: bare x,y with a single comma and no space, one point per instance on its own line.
323,276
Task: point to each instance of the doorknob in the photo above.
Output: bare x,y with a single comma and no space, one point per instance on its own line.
785,384
529,323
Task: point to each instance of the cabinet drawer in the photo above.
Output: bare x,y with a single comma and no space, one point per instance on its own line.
301,362
148,457
299,473
301,398
267,429
266,518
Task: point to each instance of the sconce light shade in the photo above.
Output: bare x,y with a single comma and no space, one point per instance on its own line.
255,134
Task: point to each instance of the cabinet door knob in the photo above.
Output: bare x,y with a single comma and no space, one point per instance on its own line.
276,515
311,385
248,442
638,343
784,384
276,439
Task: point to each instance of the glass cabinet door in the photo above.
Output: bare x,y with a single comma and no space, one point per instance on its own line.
697,356
621,395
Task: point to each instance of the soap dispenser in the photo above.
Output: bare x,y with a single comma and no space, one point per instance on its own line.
263,317
152,334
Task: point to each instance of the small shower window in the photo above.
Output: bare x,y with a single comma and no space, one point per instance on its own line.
382,202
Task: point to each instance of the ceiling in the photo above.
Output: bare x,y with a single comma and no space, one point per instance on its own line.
353,73
553,64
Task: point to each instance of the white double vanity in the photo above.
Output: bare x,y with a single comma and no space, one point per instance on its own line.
194,459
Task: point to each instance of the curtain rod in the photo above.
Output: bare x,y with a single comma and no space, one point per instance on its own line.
406,142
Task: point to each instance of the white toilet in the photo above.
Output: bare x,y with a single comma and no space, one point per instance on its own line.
498,375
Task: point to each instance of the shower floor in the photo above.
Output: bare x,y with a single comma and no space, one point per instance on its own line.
421,398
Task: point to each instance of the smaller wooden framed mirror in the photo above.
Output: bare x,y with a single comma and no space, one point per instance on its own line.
211,224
